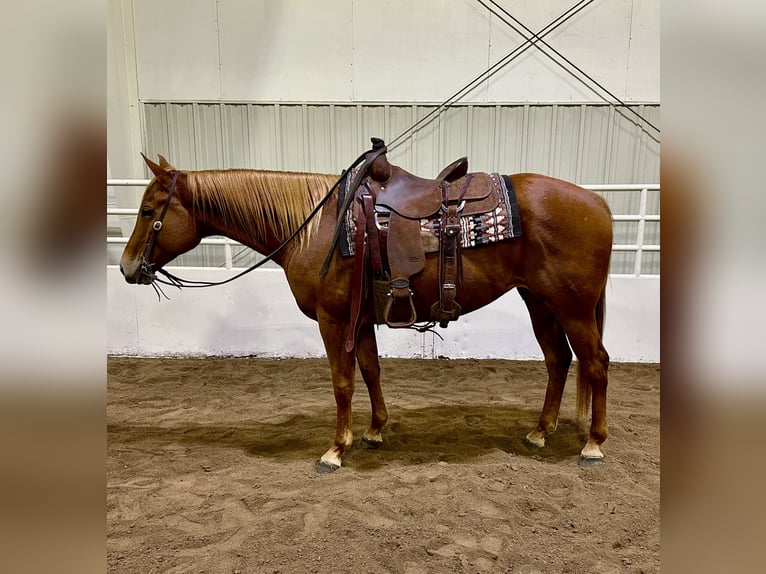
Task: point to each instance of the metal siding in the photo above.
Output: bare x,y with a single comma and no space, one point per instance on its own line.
426,157
625,232
594,144
584,143
538,139
624,154
622,263
156,134
650,263
649,148
652,233
262,129
236,137
510,130
372,124
294,156
400,118
454,138
347,148
320,139
181,141
653,201
208,136
480,124
565,151
623,202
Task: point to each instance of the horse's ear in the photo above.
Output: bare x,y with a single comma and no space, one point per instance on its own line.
165,163
160,172
156,169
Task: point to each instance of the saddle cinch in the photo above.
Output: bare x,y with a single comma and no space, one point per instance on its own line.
392,203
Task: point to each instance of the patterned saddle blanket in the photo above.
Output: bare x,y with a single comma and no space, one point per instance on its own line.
475,230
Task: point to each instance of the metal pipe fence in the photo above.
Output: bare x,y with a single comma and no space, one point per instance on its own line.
640,248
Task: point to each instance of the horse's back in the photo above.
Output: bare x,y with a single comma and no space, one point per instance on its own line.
549,195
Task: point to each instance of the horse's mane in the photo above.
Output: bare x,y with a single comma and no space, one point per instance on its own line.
253,200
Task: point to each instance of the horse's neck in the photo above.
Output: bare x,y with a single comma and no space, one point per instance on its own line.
264,244
261,232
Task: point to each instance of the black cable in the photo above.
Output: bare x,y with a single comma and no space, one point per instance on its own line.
492,70
568,61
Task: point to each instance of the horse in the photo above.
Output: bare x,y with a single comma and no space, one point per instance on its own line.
559,266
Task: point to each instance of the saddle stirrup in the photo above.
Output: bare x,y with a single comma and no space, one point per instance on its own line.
400,289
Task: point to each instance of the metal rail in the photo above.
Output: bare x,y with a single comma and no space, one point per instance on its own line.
639,247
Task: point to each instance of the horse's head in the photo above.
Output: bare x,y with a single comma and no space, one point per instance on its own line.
165,227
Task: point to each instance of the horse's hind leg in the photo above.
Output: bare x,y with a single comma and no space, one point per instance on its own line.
367,355
584,334
558,356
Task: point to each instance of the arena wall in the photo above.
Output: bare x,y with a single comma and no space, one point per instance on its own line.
257,315
303,86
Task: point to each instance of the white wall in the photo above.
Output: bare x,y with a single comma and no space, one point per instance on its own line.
256,315
404,51
358,51
387,50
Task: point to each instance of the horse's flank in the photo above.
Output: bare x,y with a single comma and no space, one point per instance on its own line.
241,197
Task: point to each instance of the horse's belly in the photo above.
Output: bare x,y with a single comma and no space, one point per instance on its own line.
487,273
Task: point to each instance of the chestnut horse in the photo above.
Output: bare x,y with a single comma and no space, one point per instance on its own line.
559,266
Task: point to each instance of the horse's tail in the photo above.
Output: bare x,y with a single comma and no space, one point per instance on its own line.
584,390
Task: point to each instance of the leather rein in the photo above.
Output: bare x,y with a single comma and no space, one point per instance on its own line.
180,282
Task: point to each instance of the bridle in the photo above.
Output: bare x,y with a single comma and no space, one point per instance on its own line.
179,282
146,267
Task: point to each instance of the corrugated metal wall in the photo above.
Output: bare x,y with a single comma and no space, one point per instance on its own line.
584,143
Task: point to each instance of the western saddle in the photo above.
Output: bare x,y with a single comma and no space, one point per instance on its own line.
389,240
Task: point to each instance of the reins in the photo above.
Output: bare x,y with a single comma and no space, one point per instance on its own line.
179,282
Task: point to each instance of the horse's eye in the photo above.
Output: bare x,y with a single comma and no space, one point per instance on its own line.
147,211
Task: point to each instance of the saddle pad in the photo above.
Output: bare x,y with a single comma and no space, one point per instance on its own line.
475,230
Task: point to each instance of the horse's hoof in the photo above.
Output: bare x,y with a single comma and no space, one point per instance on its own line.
369,444
324,467
534,442
532,447
589,461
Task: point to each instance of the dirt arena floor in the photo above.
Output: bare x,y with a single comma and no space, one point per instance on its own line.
210,469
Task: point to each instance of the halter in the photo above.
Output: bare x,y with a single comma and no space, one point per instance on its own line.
146,267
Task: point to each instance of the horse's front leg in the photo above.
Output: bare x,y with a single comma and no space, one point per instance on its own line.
342,364
367,355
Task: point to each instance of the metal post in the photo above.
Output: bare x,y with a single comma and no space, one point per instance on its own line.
640,233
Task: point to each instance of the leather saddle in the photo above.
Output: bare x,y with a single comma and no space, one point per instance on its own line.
417,198
396,201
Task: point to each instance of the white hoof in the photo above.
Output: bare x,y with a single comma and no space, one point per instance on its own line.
330,458
592,451
536,439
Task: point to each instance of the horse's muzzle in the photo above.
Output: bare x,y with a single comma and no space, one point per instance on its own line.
134,274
